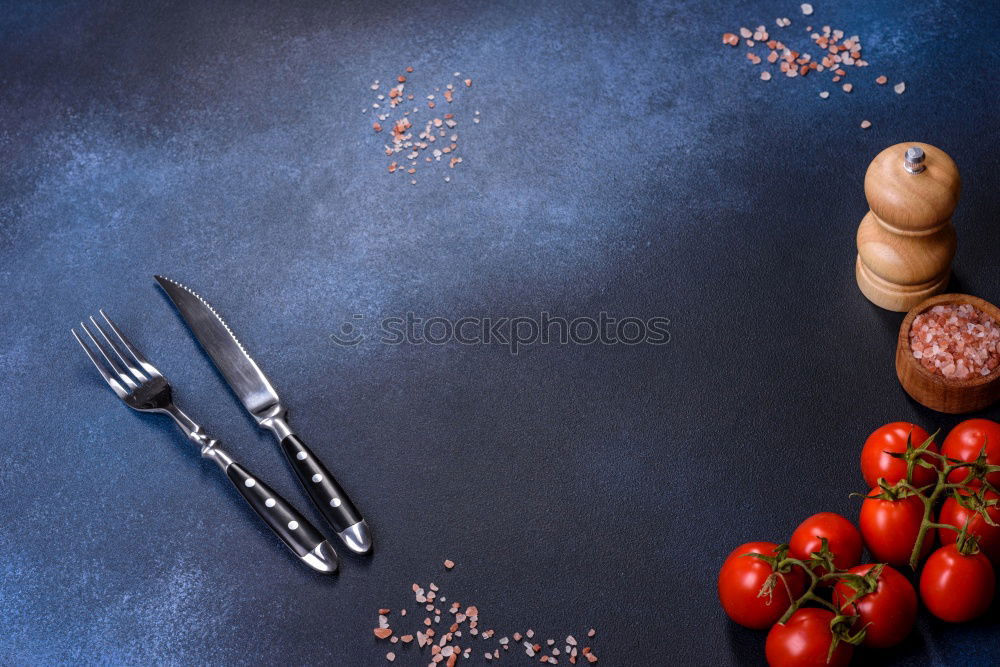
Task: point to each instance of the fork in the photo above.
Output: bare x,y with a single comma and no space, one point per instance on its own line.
142,387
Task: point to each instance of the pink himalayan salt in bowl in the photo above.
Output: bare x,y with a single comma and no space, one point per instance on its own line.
956,341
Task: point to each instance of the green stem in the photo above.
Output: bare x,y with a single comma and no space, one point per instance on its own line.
925,523
929,501
810,593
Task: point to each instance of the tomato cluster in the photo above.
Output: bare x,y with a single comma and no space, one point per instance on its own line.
818,601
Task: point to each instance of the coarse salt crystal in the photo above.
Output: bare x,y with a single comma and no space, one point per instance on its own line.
956,341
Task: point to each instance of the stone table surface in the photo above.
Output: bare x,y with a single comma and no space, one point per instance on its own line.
626,163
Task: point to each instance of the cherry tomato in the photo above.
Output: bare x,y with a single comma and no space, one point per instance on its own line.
740,581
955,587
888,613
890,528
804,641
989,536
876,464
842,537
966,441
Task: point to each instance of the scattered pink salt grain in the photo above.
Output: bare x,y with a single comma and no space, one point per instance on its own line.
865,124
956,341
408,142
448,564
833,52
448,634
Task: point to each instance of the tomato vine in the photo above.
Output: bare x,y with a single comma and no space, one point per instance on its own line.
971,493
976,485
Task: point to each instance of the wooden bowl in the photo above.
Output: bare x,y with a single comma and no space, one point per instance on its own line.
932,390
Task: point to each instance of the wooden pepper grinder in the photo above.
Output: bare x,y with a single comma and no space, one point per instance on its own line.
906,241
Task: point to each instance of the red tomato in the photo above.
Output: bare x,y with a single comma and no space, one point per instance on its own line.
957,588
888,613
842,537
876,464
890,528
966,441
804,641
989,536
740,580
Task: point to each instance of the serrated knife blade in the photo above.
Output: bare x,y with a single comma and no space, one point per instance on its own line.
245,378
254,390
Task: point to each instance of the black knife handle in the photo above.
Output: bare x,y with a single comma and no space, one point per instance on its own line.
321,486
294,529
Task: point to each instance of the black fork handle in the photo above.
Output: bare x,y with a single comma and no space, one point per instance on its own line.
284,520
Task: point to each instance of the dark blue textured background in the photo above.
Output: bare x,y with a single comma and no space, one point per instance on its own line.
626,162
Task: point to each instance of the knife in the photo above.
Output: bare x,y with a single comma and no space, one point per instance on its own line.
260,399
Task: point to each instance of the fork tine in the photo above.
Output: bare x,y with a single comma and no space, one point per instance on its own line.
122,375
115,386
136,373
141,360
